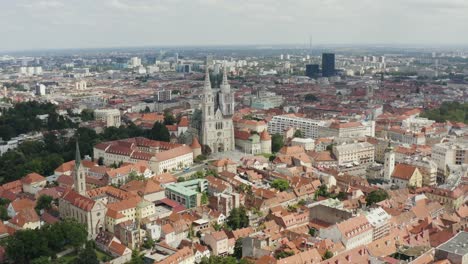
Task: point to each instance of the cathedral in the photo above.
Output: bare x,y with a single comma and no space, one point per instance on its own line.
217,129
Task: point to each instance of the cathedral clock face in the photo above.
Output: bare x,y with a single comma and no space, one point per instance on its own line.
219,134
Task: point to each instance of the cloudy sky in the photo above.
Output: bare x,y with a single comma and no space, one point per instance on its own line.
39,24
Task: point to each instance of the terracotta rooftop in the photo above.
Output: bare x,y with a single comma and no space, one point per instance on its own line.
32,178
79,201
403,171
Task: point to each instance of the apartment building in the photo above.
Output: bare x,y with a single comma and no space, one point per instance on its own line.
354,153
310,127
109,116
449,153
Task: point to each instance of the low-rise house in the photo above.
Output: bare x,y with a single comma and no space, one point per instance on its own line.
25,219
218,242
223,165
147,189
19,205
354,232
200,252
33,182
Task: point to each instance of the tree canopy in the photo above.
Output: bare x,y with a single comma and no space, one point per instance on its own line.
277,142
280,184
238,218
376,196
310,98
22,118
26,245
159,132
448,111
299,134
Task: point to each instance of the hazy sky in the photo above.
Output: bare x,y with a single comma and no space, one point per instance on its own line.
38,24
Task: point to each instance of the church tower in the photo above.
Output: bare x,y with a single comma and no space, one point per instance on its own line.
389,163
79,178
226,97
217,129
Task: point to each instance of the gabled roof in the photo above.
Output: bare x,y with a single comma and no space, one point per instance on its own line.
79,200
403,171
24,217
33,178
118,249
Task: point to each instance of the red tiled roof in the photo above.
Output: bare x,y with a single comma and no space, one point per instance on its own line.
79,200
403,171
117,248
32,177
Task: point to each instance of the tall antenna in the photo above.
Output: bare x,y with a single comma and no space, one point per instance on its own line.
310,45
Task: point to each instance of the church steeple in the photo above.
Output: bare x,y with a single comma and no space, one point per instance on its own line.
207,85
77,155
79,177
225,87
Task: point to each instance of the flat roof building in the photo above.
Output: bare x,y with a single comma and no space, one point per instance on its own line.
187,193
455,249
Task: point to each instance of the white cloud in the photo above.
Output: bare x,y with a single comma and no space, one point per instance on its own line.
87,23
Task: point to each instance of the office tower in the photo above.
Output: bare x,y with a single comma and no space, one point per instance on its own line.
312,70
328,64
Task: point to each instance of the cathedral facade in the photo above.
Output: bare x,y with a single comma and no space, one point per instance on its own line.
217,129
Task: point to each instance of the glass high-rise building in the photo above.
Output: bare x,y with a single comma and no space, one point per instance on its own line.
328,64
312,70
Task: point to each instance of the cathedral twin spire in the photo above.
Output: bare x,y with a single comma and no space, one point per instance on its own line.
225,87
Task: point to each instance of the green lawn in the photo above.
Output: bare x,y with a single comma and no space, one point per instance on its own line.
67,259
102,256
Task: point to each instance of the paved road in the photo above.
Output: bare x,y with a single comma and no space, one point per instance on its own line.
194,168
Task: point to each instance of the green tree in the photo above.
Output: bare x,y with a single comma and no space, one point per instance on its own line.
238,218
41,260
313,232
137,257
204,198
169,118
310,98
148,243
87,255
283,254
322,191
87,115
4,213
376,196
44,202
277,142
328,254
299,134
238,248
280,184
159,132
26,245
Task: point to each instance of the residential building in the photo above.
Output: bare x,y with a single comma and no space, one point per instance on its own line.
111,117
279,124
354,232
306,143
449,153
454,250
218,242
380,222
347,130
354,153
253,143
